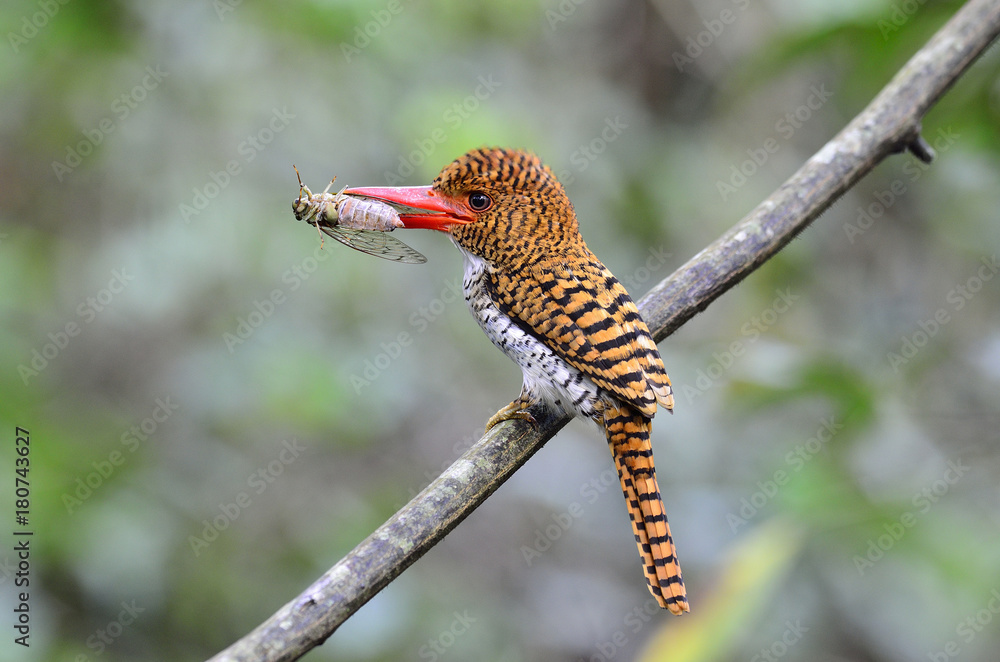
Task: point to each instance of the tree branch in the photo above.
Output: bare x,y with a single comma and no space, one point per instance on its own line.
891,123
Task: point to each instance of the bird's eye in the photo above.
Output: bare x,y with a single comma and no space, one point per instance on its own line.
479,201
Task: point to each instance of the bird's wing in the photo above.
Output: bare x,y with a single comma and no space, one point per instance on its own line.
584,315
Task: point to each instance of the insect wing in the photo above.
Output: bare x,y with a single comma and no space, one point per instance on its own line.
374,243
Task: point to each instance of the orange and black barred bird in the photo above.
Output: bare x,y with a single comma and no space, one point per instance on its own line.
550,305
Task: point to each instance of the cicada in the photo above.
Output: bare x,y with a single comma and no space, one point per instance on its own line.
360,223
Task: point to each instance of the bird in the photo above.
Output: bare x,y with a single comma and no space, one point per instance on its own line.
548,303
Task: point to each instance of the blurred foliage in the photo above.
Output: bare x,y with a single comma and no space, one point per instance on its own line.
218,410
753,572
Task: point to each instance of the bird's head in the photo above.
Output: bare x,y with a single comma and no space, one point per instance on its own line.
495,203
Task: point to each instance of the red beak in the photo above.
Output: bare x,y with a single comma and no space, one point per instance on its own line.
418,206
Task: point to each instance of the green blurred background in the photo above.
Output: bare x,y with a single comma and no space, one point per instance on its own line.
219,410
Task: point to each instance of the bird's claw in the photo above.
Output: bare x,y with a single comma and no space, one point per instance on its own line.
515,410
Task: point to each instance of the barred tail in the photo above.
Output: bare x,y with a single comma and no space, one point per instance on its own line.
628,436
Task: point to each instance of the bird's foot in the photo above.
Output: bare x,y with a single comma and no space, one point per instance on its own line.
515,410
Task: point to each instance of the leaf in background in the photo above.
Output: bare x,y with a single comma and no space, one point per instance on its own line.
718,619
